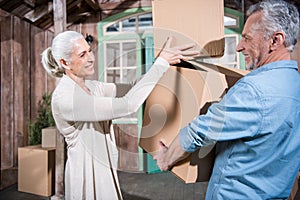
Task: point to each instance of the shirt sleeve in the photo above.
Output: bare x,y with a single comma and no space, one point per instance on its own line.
238,115
79,106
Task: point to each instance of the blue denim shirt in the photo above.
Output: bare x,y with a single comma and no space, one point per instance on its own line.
256,128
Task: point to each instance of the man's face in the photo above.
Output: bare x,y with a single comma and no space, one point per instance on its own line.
82,59
253,45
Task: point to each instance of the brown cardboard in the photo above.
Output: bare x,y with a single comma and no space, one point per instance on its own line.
36,170
49,137
178,97
295,188
197,21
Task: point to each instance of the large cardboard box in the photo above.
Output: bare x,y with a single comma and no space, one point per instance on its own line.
187,90
36,170
181,95
197,21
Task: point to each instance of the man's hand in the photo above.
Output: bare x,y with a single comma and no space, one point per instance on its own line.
161,157
174,55
168,156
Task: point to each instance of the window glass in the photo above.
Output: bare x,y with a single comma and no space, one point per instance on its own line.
113,28
129,75
132,24
129,54
145,21
230,21
113,76
230,57
112,55
121,66
129,25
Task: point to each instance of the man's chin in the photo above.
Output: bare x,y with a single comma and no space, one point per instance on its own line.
250,66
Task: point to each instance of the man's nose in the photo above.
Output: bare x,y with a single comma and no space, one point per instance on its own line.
239,47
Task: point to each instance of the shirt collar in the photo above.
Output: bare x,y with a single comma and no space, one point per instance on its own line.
276,65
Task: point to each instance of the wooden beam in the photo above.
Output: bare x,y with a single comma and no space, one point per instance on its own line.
60,20
30,2
3,13
94,4
60,15
41,11
125,4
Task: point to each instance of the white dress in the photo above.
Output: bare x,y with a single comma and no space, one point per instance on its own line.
90,172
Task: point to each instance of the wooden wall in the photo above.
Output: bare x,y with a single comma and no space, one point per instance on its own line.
23,82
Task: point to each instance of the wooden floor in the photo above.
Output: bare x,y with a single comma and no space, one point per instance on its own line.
136,186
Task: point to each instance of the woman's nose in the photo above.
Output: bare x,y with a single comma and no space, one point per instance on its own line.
91,56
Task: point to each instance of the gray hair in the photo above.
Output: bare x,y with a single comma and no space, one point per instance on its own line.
279,15
62,48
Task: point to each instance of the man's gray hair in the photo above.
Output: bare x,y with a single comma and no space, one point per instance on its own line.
279,15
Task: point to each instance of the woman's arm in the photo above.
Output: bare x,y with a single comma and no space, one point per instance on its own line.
77,105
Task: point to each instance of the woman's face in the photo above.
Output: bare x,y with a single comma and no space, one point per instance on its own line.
82,59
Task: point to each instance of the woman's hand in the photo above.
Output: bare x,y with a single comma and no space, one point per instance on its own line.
174,55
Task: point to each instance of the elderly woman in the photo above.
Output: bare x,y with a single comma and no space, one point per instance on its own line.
82,110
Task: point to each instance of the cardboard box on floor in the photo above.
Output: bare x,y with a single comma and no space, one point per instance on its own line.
179,96
36,170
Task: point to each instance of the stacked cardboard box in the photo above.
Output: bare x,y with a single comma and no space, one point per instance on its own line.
49,137
187,90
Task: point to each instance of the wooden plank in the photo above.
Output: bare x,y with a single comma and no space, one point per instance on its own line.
6,94
94,4
38,74
21,80
112,5
40,12
51,81
3,13
59,14
26,57
8,173
18,95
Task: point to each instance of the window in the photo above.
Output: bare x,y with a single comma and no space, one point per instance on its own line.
136,23
230,57
120,61
231,21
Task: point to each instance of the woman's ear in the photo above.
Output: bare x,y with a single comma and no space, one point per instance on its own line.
65,64
278,39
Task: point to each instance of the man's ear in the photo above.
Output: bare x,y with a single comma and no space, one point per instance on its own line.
64,63
278,39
